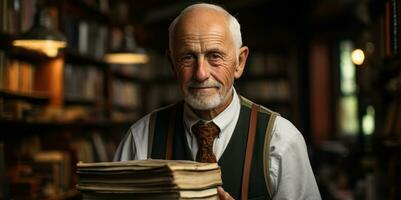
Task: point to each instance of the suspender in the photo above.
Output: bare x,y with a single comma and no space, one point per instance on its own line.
266,153
249,152
152,123
170,133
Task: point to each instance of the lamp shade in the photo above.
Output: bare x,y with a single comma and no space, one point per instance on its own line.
127,57
128,52
41,37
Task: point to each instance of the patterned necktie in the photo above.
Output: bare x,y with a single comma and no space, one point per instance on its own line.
205,134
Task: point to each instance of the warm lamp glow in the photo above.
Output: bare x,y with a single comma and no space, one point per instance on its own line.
126,58
357,57
48,47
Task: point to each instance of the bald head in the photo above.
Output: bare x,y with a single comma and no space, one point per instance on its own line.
204,11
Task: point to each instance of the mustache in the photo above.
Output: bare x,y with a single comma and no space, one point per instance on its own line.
207,83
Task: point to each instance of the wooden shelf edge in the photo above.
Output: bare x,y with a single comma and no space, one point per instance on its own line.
38,97
76,101
127,77
126,108
74,57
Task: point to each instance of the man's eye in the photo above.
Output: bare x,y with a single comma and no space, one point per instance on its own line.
185,59
214,56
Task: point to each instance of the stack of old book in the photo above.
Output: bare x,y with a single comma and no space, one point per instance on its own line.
148,179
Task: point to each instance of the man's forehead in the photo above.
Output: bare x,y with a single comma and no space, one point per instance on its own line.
202,18
211,35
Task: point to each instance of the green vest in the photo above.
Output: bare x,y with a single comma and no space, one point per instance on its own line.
232,159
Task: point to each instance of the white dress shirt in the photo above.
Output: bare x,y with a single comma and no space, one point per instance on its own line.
290,170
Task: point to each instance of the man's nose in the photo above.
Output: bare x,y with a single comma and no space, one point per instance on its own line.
202,70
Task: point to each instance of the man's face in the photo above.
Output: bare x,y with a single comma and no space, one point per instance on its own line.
204,59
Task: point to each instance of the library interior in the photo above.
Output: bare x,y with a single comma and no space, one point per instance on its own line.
332,68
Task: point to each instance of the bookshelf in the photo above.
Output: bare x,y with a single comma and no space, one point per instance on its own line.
70,107
383,92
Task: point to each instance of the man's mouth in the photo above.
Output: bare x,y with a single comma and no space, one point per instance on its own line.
196,88
203,89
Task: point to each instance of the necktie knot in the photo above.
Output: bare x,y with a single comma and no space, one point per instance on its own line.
205,135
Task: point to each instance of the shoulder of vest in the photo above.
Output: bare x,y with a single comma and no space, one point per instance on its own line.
164,108
248,103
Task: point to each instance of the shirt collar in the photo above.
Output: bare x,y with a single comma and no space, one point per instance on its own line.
222,120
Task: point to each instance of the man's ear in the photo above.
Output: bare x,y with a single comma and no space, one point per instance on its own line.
170,60
243,55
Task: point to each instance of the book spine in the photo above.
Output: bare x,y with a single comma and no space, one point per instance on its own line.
126,94
394,28
83,82
387,29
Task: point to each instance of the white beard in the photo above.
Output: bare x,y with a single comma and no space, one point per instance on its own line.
201,102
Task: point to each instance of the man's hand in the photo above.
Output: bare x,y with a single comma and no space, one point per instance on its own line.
223,195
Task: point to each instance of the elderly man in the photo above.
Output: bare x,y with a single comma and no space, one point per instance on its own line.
261,155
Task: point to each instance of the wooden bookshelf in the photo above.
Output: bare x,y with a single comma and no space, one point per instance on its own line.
385,93
62,110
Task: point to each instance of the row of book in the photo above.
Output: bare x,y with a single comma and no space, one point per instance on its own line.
126,94
18,110
83,83
16,76
87,37
265,90
16,16
162,95
128,70
158,66
260,63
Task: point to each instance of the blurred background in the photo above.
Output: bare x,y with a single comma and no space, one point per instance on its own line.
75,74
